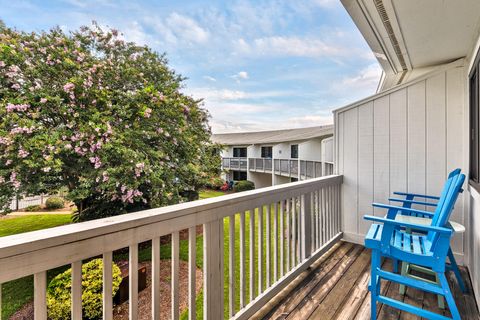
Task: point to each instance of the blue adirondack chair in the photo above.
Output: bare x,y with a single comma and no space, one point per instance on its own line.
407,202
388,238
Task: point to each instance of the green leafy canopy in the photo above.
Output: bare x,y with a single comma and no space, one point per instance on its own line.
103,117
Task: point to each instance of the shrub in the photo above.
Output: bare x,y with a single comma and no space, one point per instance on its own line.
243,185
54,203
34,207
59,297
215,183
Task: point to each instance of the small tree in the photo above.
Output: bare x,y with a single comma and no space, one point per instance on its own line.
100,116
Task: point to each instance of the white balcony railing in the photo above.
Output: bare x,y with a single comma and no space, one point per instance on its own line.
260,164
234,163
291,225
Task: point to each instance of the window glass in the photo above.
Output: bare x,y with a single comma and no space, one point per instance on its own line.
294,151
239,152
267,152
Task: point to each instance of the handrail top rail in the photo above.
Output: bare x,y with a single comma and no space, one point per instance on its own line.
41,239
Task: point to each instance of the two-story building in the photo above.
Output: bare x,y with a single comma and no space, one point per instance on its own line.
275,157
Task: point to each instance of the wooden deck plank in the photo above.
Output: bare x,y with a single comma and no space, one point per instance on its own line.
321,290
301,291
413,297
326,310
354,301
337,288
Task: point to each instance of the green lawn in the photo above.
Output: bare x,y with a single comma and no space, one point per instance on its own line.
205,194
17,293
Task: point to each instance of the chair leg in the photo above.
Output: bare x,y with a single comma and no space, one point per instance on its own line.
395,265
374,283
448,296
456,271
440,298
403,273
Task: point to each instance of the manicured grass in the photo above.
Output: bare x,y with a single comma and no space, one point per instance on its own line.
18,292
205,194
20,224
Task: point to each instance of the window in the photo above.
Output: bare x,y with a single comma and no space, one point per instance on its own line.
294,151
239,175
474,85
267,152
239,152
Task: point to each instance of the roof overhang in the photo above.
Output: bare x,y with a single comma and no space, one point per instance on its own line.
406,35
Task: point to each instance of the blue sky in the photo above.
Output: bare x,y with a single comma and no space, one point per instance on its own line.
258,64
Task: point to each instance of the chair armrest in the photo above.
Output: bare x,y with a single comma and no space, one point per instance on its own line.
415,195
413,202
389,207
409,225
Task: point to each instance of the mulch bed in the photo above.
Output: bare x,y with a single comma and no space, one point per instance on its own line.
120,312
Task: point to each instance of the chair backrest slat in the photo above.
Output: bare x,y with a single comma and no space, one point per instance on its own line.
446,205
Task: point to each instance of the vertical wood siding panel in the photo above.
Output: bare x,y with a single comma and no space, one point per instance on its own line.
455,150
340,159
398,141
365,164
416,137
381,146
341,144
436,132
350,169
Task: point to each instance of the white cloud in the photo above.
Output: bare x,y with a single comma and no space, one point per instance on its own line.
243,75
186,29
326,3
220,125
365,80
294,46
209,78
215,96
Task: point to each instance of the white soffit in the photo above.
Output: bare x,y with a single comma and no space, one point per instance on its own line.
421,33
435,31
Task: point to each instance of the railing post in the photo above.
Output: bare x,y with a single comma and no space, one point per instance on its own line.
213,270
306,212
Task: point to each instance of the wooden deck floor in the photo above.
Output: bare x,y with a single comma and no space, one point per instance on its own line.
336,288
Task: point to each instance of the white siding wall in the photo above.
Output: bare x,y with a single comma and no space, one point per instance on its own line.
260,179
472,220
310,150
405,139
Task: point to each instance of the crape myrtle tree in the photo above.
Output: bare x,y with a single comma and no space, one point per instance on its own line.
100,117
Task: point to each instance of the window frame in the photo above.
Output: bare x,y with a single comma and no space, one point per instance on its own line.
266,155
292,148
474,123
240,151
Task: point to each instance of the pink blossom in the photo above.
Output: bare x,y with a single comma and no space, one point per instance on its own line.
8,162
2,64
2,179
16,86
68,146
46,169
79,151
21,130
68,87
16,107
105,176
43,100
22,153
13,179
4,141
147,113
96,162
139,169
159,130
